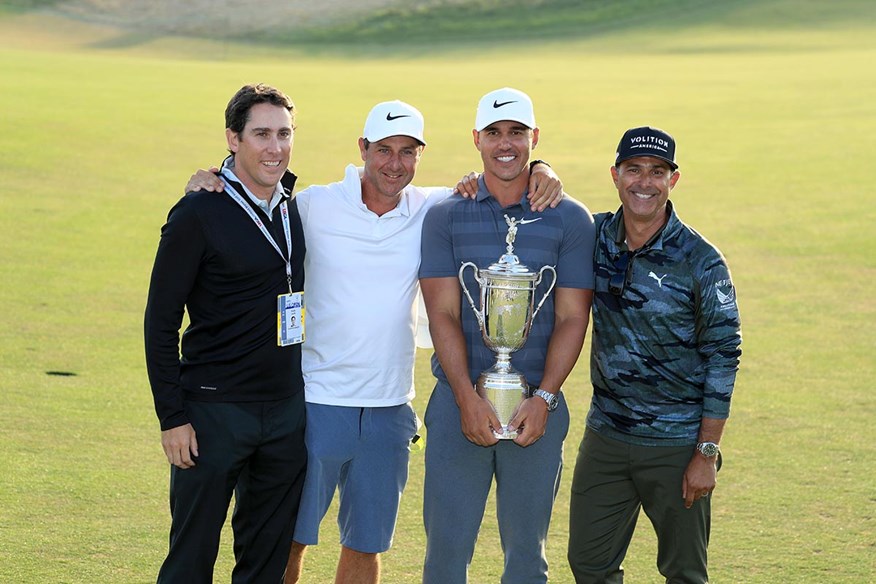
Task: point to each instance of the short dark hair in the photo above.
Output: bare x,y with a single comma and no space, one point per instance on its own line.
237,112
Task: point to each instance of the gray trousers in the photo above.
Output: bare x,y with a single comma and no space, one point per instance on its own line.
613,481
459,475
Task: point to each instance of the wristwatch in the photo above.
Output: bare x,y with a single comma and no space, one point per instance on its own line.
551,399
708,449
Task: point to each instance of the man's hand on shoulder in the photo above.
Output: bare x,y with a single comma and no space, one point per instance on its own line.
545,187
180,446
205,180
467,186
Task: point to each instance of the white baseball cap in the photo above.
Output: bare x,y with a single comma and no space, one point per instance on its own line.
504,104
393,118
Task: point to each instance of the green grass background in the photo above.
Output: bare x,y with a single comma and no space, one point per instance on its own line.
774,108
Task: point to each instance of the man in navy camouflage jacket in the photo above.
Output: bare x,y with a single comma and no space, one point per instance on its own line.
666,348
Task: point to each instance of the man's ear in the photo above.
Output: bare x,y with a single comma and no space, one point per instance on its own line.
233,139
477,139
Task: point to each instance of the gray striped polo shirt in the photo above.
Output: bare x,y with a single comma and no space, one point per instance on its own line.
462,230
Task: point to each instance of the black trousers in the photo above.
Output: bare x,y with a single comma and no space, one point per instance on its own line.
255,450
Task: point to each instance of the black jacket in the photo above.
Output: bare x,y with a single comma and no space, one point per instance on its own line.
213,260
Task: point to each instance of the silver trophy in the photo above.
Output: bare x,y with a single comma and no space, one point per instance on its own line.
505,317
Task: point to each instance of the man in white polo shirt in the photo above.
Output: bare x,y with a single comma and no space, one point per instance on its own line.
363,240
363,253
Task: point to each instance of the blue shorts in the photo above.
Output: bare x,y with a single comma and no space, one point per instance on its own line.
364,453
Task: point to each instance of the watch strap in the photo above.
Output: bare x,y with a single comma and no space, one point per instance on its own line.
550,399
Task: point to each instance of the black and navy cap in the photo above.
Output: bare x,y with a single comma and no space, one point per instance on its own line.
646,141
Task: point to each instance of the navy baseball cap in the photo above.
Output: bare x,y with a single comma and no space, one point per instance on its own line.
646,141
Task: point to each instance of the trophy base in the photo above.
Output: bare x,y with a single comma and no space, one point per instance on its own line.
505,390
505,434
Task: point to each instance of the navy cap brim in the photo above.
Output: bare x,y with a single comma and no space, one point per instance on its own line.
671,164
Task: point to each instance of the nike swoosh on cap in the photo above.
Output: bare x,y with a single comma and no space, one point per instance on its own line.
390,117
496,104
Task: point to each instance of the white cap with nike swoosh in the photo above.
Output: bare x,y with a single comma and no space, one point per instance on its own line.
394,118
504,104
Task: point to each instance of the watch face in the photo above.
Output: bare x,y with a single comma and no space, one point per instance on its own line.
708,449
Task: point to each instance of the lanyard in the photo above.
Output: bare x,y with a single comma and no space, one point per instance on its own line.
284,213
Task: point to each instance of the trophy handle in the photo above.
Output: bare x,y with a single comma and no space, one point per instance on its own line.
479,314
546,294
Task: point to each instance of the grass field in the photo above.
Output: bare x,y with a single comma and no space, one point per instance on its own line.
774,108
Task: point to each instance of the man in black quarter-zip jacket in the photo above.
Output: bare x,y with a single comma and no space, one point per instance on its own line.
230,399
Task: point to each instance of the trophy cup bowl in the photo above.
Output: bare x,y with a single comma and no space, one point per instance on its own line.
507,295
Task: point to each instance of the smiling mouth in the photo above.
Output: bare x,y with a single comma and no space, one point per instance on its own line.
508,158
643,196
270,164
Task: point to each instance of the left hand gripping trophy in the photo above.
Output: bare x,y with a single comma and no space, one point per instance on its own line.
505,317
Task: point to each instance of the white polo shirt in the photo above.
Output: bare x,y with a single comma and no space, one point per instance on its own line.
360,293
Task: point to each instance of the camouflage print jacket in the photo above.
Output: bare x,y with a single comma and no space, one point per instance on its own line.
666,349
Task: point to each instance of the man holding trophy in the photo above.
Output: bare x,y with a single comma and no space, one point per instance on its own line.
497,409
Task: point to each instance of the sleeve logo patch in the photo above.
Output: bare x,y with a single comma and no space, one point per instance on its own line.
726,293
